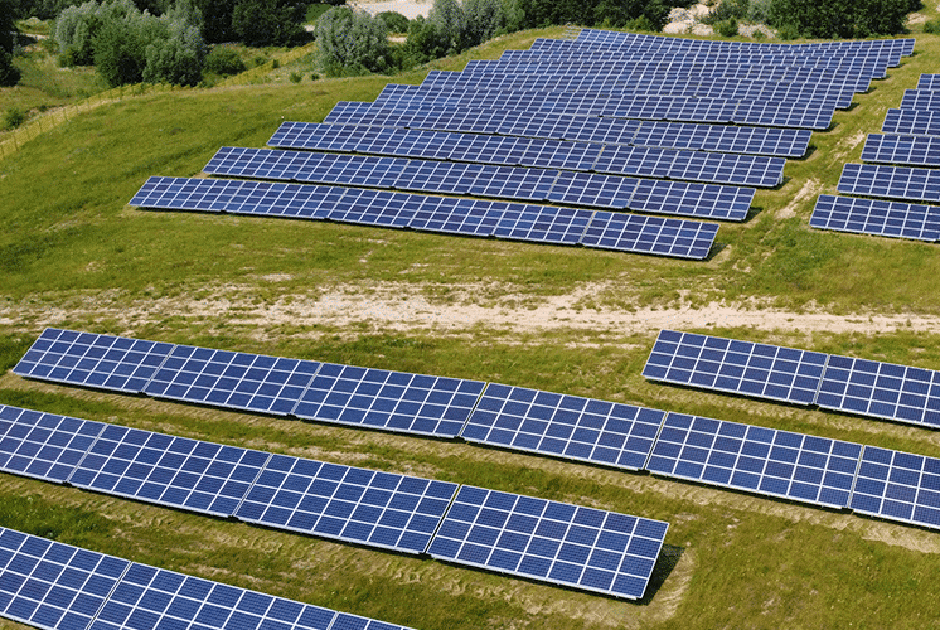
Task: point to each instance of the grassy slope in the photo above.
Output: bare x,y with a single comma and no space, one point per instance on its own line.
67,239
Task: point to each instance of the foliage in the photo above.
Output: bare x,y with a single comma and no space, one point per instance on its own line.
932,26
728,10
13,118
264,23
129,46
9,74
727,28
839,18
314,11
224,60
394,22
350,43
486,19
295,77
449,22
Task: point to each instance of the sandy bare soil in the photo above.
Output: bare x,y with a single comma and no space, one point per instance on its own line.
409,8
403,307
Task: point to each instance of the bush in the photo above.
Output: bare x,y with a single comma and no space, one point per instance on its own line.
295,77
263,23
758,34
727,10
275,64
933,26
9,74
394,22
13,118
351,43
314,76
839,18
727,28
225,61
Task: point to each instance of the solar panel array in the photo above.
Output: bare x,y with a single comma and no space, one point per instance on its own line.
287,492
872,388
879,217
484,179
55,586
585,548
469,217
909,139
367,507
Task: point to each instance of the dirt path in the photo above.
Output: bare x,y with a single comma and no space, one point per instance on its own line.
404,308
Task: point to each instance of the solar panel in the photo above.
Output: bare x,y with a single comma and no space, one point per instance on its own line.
51,585
584,548
883,390
913,150
893,182
923,100
173,471
898,486
353,504
739,367
236,197
766,461
43,445
929,82
728,203
564,426
650,235
236,380
906,121
91,360
543,224
148,597
873,216
394,401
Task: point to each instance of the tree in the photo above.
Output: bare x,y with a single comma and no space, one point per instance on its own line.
839,18
268,22
351,42
485,19
449,22
9,74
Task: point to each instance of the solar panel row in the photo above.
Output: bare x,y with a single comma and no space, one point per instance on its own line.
871,388
763,112
777,463
891,182
923,100
55,586
635,74
929,82
600,102
469,217
906,149
358,505
340,502
907,121
874,216
516,151
536,183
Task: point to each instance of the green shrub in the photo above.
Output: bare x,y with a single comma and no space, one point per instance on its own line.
314,76
932,26
224,60
727,28
758,34
9,74
351,43
275,64
394,22
295,77
13,118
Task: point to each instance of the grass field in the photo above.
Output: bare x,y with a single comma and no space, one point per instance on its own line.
73,254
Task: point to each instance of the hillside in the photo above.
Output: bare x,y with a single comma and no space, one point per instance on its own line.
73,254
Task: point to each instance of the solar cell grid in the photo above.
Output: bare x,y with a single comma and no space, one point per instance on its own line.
874,216
883,390
693,199
766,461
907,121
923,100
43,445
650,235
739,367
554,542
891,182
898,486
892,149
543,224
592,189
929,82
353,504
167,470
232,379
51,585
394,401
565,426
93,360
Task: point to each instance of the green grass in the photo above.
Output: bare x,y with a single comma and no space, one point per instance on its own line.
72,254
